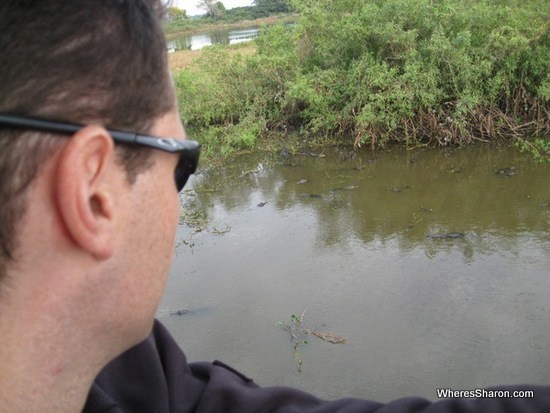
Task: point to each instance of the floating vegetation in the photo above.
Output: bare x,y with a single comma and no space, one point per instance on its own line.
220,231
299,334
186,243
194,220
204,189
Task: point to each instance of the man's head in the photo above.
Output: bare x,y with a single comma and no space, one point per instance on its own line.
88,224
101,62
92,155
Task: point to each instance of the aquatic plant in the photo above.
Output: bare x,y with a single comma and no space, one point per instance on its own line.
299,334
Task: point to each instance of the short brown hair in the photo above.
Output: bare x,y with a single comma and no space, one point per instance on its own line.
101,61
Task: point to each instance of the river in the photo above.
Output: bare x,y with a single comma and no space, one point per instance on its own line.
197,41
222,36
434,264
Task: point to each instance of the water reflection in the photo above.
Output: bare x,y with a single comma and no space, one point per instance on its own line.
197,41
224,37
435,199
434,265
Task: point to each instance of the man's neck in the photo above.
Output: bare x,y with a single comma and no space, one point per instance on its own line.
44,368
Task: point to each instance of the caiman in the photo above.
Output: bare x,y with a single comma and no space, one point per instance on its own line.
447,235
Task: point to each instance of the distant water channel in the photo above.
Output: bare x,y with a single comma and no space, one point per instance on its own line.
224,37
435,264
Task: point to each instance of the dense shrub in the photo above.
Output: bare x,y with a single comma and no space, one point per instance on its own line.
373,71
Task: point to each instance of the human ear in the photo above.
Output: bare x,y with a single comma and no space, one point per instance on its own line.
83,190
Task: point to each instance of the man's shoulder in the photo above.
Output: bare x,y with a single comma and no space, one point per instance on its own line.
154,376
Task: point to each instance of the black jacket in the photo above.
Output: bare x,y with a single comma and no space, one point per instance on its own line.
154,377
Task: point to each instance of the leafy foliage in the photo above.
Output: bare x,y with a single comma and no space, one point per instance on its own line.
374,71
265,8
538,148
213,9
175,13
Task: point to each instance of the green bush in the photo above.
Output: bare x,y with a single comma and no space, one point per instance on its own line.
374,71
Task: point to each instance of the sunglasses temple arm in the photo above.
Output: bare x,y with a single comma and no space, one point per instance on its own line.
59,127
39,124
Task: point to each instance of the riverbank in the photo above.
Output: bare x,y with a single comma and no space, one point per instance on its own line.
174,31
373,76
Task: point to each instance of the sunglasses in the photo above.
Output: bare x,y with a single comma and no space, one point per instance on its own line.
188,150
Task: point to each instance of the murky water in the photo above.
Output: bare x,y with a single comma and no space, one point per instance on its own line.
434,266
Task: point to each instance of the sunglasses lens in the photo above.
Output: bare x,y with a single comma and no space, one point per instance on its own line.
181,175
185,167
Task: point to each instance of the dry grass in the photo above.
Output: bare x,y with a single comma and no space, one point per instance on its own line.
182,59
185,59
